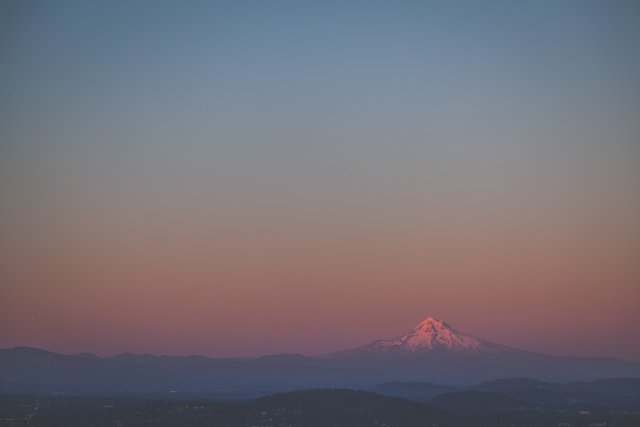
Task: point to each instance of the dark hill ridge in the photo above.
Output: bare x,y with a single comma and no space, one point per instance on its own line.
613,386
620,387
414,390
470,400
514,384
341,401
619,392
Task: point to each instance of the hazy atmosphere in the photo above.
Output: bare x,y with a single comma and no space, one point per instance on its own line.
243,178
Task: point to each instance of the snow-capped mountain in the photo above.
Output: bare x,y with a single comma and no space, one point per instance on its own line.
433,351
430,335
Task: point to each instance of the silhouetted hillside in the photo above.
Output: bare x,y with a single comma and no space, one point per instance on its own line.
476,401
418,391
515,384
603,392
620,387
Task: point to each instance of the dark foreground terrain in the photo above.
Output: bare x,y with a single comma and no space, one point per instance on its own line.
316,408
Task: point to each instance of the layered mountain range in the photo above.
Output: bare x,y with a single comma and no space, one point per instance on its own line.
432,351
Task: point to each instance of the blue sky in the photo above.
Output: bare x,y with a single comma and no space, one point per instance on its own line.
289,128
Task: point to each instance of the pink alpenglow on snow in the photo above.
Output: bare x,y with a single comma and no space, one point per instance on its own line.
431,335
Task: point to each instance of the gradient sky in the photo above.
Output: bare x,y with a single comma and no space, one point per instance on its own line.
246,177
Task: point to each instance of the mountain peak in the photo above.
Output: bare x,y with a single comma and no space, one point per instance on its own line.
432,323
433,333
428,335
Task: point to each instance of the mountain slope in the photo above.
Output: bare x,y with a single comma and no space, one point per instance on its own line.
429,336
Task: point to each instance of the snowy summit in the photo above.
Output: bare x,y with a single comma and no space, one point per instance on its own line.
432,333
429,335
